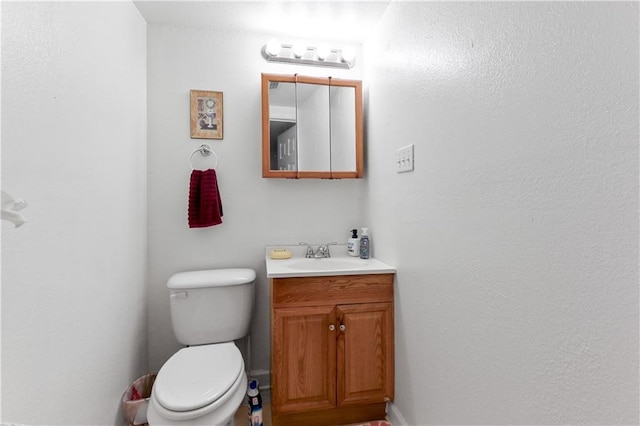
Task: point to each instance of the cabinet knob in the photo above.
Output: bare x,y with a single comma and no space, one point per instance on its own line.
342,327
332,327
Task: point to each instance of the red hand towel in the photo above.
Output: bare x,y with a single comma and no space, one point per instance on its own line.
205,205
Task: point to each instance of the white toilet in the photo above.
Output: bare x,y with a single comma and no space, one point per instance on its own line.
205,383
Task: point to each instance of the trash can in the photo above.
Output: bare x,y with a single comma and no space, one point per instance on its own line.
136,399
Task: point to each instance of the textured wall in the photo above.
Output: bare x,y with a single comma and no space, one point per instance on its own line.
516,237
74,147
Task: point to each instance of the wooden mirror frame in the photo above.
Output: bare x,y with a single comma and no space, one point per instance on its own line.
266,139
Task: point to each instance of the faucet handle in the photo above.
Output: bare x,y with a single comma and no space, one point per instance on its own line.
324,249
309,248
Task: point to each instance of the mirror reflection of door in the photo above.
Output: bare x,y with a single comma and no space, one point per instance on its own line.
282,126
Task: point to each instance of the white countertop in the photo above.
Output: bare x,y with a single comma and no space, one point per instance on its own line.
338,264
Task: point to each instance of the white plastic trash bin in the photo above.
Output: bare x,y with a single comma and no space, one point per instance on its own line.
136,399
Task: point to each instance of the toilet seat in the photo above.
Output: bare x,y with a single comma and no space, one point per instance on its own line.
220,412
198,376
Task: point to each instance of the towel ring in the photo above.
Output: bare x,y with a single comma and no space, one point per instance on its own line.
205,151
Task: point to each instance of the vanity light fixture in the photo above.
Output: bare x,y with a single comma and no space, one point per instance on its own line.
298,53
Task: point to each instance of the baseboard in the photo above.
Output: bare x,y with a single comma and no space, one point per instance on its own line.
394,415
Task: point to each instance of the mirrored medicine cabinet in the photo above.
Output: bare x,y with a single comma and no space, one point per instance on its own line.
311,127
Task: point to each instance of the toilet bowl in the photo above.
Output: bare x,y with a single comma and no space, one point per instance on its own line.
199,385
204,383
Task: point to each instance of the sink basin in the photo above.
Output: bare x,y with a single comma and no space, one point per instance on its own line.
299,266
327,264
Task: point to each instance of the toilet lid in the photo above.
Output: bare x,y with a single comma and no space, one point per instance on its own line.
197,376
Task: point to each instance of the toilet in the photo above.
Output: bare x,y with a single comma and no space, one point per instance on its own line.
205,383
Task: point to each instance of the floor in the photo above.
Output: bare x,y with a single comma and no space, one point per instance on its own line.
241,418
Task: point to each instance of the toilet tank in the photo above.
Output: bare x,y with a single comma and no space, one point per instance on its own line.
211,306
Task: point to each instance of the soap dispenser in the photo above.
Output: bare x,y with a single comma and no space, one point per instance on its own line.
353,245
364,244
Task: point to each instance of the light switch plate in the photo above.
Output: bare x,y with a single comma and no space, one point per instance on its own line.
404,159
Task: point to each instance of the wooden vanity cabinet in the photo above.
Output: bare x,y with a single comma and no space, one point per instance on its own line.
331,349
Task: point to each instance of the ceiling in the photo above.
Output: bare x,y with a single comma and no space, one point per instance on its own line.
349,21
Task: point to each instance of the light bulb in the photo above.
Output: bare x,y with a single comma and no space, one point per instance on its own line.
323,52
273,47
299,49
348,54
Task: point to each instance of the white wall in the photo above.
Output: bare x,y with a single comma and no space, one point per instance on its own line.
73,146
516,237
257,211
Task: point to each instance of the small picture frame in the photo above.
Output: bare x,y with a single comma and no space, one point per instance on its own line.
206,114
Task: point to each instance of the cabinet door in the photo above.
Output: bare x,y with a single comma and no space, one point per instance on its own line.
365,353
303,359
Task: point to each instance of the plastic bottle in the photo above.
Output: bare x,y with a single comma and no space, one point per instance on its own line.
353,245
255,404
365,245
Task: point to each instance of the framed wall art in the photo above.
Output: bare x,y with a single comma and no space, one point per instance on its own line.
206,114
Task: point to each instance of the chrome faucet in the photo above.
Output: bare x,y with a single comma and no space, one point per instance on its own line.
320,253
